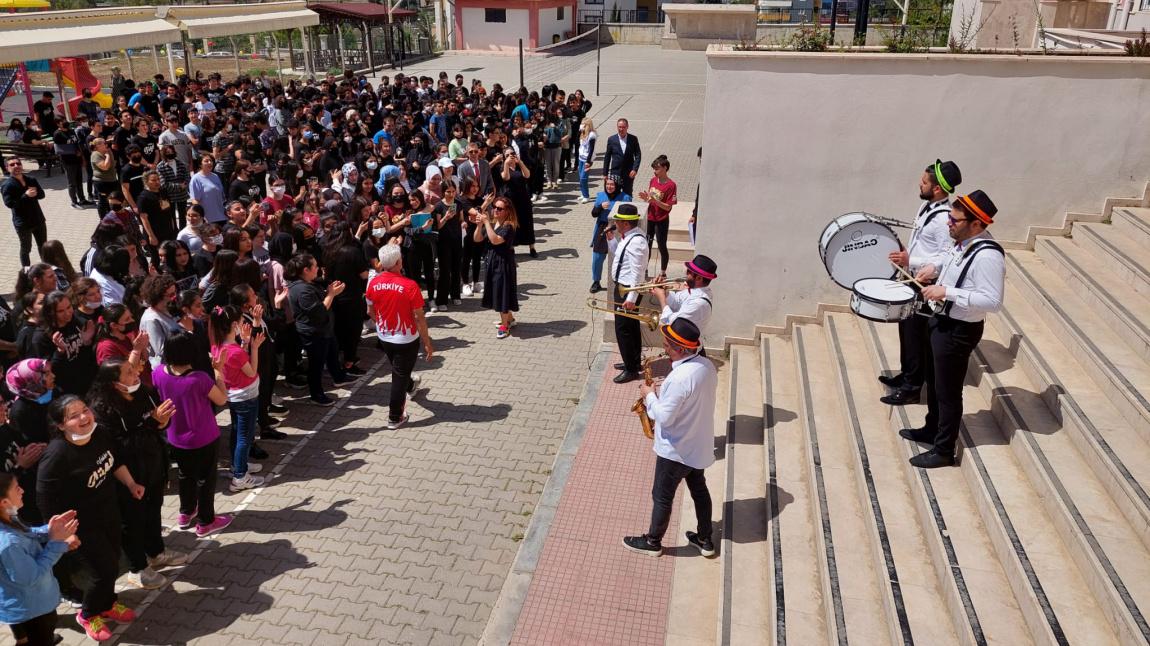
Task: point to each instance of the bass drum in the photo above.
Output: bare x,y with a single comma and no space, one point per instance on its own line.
856,246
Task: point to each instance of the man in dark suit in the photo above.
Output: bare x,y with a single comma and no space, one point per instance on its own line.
477,168
622,157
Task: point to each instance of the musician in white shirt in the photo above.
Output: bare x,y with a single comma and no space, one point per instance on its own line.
970,285
683,409
929,241
694,303
630,254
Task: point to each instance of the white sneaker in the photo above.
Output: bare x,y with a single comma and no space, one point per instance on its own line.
468,290
478,288
396,424
167,558
249,481
434,309
582,200
146,579
441,308
415,381
535,198
456,301
542,198
514,322
255,467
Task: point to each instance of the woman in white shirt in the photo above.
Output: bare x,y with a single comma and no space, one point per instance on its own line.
587,139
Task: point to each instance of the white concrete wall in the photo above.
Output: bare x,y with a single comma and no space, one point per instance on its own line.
792,140
549,24
478,34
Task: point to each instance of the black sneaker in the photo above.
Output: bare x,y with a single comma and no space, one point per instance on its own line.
596,287
704,545
355,371
892,381
642,545
347,380
278,409
271,434
269,422
77,205
324,401
297,384
257,453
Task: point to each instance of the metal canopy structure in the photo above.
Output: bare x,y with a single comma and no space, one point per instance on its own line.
234,20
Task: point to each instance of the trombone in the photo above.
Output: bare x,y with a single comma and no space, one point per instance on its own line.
646,287
648,315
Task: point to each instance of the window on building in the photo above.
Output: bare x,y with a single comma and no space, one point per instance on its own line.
494,15
559,13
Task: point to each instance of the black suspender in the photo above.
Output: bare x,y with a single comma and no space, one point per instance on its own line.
968,256
619,258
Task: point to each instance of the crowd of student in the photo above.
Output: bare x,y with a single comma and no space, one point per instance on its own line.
239,229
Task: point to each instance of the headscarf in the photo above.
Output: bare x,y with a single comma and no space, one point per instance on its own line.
26,378
348,169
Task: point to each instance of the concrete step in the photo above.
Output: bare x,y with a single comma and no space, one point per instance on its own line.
1120,253
1134,223
680,215
912,588
1116,453
745,552
1125,312
799,608
1121,376
980,595
1109,555
859,607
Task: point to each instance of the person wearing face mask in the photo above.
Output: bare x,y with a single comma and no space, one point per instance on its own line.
203,259
158,321
207,190
117,338
278,199
32,382
135,416
174,179
76,473
132,176
190,233
29,593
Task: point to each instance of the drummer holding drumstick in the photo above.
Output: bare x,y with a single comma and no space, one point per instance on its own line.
929,241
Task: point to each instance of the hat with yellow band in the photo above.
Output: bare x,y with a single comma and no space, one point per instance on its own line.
626,213
946,174
977,204
682,332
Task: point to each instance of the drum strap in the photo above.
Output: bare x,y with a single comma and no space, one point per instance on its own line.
968,258
944,208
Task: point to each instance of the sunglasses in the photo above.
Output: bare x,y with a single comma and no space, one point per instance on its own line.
954,220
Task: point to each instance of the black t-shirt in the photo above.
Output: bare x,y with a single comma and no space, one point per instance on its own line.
149,104
202,262
121,139
450,231
75,366
46,113
67,144
80,477
147,144
241,188
312,318
162,220
346,265
133,176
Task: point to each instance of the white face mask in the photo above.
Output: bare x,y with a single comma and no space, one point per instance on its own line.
94,305
80,437
131,389
372,165
378,232
298,174
216,240
278,191
347,140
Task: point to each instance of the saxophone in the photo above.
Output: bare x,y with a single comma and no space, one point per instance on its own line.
640,408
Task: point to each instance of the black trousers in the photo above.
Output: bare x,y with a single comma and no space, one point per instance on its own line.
657,232
268,371
196,479
913,350
348,318
321,351
37,631
668,474
629,336
142,528
74,171
402,357
422,256
951,344
103,190
450,260
99,554
472,258
25,233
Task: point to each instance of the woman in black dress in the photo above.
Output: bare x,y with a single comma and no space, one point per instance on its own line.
500,293
517,187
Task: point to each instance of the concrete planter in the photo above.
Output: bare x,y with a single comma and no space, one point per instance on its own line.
792,140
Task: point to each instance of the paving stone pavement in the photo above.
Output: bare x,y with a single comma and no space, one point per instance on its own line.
371,536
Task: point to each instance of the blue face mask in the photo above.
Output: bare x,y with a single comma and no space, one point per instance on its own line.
45,398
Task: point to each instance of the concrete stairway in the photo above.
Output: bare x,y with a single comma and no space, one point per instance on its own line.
1041,535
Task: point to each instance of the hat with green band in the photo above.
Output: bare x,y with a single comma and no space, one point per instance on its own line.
946,174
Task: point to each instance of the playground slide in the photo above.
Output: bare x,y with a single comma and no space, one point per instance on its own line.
76,74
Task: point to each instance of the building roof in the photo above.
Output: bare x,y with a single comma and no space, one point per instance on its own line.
362,11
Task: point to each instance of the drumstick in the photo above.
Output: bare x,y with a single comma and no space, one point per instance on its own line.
907,274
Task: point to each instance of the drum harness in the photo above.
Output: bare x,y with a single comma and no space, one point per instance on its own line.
968,257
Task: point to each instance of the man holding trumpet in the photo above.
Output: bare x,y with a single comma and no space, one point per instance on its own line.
693,302
628,268
929,240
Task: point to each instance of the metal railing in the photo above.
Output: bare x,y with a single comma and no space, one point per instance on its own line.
356,59
880,13
634,16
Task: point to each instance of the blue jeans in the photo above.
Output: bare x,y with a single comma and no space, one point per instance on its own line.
245,416
597,260
583,179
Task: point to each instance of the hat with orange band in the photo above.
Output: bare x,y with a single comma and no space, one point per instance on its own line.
978,205
682,332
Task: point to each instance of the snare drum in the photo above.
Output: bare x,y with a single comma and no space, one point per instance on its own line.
883,300
856,246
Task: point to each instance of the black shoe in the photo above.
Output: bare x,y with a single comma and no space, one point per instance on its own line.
534,253
57,638
269,422
355,371
257,453
901,397
627,376
278,409
270,434
704,545
77,205
932,460
642,545
921,435
347,379
891,381
596,287
296,384
324,401
620,366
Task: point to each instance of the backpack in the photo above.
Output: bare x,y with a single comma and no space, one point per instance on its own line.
554,135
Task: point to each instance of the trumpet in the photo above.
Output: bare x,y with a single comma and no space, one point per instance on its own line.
648,315
646,287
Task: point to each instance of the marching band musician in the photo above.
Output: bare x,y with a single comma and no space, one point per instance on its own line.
683,409
694,302
628,268
929,242
969,286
